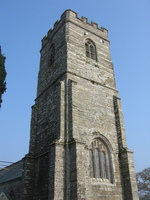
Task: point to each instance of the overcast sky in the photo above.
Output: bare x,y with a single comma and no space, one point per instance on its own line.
23,23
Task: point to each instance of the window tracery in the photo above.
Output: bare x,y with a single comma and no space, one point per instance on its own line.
90,50
100,162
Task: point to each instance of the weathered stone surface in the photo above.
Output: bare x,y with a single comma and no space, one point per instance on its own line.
77,103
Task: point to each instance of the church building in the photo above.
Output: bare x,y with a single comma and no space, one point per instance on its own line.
77,145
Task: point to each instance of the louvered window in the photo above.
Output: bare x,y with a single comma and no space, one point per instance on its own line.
90,50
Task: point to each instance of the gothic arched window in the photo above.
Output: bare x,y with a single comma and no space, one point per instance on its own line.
90,50
100,162
51,58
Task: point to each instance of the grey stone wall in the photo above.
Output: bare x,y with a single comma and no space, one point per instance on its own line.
75,105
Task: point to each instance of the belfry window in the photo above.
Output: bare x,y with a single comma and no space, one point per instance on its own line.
90,50
100,162
51,55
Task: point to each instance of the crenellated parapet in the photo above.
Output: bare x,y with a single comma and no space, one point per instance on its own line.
72,17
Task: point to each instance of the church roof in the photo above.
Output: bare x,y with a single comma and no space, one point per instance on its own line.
11,172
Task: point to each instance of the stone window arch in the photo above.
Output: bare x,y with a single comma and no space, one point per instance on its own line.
90,50
100,160
51,58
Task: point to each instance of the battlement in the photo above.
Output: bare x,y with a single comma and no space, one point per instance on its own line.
71,16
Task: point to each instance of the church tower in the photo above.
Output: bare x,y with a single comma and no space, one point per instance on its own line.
77,144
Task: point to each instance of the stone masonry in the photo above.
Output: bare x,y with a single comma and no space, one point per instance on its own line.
77,145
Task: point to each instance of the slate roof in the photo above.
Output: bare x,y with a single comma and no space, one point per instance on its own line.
11,172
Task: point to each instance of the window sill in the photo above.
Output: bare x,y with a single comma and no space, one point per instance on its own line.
91,62
96,181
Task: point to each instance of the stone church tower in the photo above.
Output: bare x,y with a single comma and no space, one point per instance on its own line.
77,145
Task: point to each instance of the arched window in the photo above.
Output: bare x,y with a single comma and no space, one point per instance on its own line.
90,50
51,58
100,162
